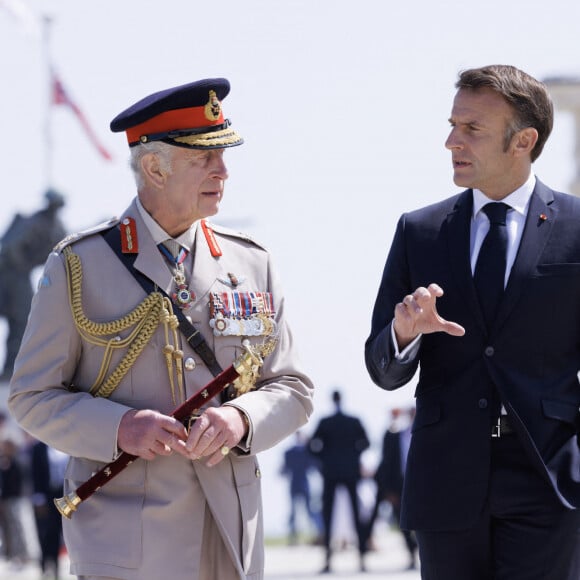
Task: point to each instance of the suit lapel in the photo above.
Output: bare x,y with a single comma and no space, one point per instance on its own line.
539,222
458,245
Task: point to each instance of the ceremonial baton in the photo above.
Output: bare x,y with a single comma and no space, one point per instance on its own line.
242,374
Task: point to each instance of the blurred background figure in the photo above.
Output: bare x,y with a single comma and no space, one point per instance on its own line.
338,443
299,463
48,467
390,474
24,246
14,547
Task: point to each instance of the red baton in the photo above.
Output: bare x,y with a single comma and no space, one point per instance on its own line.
244,370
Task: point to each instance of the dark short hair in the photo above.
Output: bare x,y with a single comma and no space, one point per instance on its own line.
528,97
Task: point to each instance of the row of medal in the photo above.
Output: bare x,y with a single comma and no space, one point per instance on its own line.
241,313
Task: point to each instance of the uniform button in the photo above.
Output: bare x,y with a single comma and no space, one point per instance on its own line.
482,403
189,364
258,473
489,351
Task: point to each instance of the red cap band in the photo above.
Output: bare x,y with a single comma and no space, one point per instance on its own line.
192,118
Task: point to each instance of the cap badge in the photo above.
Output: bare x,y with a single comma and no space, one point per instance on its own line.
213,107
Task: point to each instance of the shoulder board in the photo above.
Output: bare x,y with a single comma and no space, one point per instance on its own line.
72,238
223,231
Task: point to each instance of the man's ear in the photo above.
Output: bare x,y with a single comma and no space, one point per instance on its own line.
153,170
524,141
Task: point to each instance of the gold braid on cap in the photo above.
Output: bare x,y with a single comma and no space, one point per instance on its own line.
145,318
211,139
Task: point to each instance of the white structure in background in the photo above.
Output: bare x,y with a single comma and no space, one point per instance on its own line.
565,93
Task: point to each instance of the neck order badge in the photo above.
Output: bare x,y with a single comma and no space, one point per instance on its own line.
175,255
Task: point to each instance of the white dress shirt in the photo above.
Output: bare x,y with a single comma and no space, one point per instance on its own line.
519,202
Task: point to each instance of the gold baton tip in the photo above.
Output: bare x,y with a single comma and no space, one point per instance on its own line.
68,504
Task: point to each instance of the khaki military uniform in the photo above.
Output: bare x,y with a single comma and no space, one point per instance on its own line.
147,522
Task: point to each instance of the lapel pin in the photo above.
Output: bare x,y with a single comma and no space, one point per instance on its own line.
543,217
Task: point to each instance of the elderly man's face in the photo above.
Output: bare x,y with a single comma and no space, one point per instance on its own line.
195,186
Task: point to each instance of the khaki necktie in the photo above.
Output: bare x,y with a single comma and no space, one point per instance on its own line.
173,247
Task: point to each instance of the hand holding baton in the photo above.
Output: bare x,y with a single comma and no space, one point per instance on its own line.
242,374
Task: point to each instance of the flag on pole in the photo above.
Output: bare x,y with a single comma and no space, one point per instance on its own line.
61,97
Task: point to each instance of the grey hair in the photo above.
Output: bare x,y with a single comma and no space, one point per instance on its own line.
163,152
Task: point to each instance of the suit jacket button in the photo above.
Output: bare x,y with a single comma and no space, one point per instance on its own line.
189,364
489,351
482,403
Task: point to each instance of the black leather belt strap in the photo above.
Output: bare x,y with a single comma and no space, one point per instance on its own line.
192,335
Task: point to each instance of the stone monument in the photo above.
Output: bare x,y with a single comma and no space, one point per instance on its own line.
24,246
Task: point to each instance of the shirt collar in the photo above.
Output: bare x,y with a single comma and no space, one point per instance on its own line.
517,200
186,239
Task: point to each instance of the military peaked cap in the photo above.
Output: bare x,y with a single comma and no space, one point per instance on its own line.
189,115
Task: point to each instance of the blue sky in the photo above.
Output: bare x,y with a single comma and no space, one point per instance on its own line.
343,106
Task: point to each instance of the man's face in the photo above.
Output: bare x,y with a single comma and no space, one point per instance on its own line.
480,160
195,186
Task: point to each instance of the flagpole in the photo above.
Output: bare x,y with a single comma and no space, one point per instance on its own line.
48,140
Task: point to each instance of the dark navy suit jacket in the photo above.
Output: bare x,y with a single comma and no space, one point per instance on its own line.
531,354
338,442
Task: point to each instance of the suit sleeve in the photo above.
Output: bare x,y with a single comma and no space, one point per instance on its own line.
384,368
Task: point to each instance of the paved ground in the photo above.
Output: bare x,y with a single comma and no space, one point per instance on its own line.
388,561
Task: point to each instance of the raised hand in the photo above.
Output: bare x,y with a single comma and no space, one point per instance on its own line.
417,314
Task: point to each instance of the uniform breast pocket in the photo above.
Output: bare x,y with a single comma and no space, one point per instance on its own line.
125,375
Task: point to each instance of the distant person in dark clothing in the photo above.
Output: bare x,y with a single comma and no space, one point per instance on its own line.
338,442
24,246
298,463
11,487
48,466
390,474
